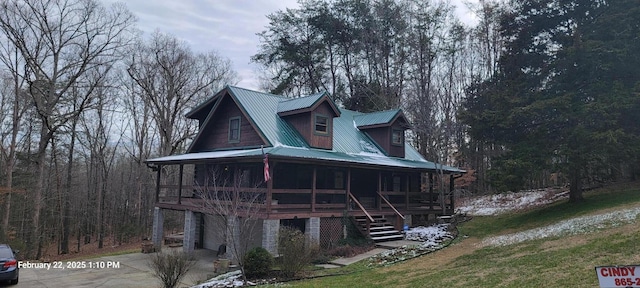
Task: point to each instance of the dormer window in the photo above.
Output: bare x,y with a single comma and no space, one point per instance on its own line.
321,124
397,137
234,130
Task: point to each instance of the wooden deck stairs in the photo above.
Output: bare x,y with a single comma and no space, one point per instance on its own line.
380,229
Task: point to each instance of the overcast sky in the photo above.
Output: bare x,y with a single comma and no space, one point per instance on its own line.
226,26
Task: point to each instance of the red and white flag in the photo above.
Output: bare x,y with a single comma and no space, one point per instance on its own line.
267,176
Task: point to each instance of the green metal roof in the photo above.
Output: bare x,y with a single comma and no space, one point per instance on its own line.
261,107
376,118
299,103
341,159
347,138
350,145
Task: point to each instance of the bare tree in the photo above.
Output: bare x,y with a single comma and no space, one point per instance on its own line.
12,109
236,205
98,130
172,79
60,41
142,135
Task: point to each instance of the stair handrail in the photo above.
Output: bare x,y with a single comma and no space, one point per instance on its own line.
361,208
390,205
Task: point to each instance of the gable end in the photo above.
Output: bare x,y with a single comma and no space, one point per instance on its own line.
226,127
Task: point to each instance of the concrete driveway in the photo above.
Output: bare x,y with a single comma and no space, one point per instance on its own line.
133,271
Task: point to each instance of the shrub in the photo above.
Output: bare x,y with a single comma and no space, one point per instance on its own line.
170,267
349,251
354,236
342,251
257,262
296,253
322,258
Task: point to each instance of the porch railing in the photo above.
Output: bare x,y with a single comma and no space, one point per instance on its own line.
399,222
369,218
305,200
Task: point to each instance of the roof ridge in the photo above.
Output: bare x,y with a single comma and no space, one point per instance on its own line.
377,112
260,92
319,94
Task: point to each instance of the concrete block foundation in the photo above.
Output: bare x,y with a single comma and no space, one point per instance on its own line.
158,228
270,232
189,241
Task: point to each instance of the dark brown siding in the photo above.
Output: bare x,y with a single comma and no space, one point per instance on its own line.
305,124
302,123
318,140
216,133
382,136
396,150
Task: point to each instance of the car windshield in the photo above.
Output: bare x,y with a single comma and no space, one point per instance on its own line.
5,253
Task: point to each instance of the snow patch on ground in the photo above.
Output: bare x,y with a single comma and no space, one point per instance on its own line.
489,205
231,279
431,238
428,235
573,226
507,202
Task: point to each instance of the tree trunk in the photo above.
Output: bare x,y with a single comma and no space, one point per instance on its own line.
575,191
7,204
39,189
64,245
15,121
100,214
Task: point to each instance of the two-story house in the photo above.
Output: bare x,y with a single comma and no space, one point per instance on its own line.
309,162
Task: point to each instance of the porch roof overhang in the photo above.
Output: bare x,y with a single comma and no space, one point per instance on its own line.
308,155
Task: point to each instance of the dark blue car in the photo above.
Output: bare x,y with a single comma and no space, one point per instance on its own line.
8,265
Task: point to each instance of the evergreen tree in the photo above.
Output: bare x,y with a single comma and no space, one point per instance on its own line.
565,87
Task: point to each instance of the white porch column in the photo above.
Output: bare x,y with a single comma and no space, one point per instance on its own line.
158,228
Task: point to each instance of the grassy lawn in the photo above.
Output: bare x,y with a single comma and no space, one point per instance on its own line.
597,200
567,261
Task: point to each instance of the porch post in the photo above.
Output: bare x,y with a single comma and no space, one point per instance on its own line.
158,228
236,193
180,184
430,191
430,182
159,173
313,189
406,191
348,190
379,192
451,191
189,241
269,193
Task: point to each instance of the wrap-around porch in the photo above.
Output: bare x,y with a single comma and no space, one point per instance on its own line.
298,190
